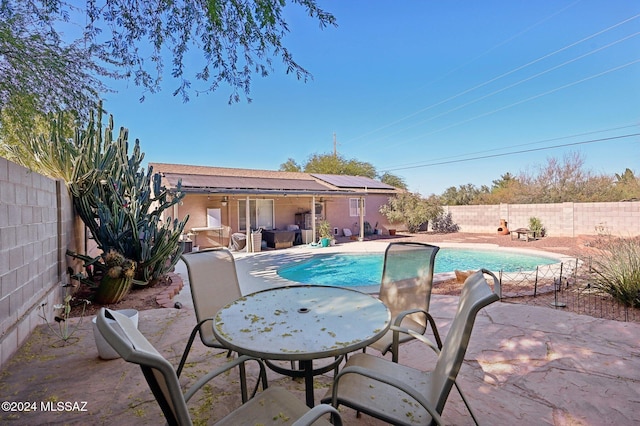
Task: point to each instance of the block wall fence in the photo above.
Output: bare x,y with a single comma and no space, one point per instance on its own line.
36,225
560,220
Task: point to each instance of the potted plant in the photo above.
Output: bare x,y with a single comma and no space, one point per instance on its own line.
324,233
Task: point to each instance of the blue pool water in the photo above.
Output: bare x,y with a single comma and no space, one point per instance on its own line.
353,270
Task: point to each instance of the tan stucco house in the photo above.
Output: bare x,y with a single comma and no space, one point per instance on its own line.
221,201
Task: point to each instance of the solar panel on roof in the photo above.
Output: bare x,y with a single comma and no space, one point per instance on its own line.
345,181
240,183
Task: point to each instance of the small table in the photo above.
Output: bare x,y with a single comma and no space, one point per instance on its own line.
302,323
528,234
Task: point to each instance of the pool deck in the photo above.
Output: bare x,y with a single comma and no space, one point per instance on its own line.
525,365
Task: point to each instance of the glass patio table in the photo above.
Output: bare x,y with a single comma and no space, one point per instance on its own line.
302,323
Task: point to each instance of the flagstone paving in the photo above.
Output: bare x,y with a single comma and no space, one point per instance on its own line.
525,365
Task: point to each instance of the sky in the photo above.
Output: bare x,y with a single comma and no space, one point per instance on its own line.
440,93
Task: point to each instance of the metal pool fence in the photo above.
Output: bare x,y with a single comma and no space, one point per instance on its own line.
567,286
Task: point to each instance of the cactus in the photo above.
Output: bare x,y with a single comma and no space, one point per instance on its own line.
122,204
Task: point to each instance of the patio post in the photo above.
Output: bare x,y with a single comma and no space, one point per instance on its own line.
361,208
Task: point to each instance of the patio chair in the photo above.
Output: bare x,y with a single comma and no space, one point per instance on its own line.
407,279
403,395
214,283
269,407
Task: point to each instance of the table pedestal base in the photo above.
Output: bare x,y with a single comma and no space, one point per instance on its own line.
307,371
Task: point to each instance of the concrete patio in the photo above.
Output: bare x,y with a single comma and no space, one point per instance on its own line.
525,365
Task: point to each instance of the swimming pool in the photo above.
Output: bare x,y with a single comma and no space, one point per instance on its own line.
355,270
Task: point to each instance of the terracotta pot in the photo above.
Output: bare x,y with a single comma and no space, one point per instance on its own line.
392,232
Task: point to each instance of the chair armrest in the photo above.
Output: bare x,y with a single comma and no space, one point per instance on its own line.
403,314
316,412
384,378
395,343
416,336
228,366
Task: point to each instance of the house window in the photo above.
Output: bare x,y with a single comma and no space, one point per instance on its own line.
354,207
214,218
260,214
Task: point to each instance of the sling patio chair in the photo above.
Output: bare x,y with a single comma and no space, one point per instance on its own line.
271,406
407,280
403,395
214,283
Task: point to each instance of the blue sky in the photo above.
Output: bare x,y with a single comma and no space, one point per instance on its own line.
441,93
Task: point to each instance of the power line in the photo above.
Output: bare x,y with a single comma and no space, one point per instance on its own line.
539,95
515,152
511,86
528,143
503,75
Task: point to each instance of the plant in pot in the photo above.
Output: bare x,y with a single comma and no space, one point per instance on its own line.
324,233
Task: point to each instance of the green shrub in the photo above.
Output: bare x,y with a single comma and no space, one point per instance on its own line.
444,224
536,225
617,271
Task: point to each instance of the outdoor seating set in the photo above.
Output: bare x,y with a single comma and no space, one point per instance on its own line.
376,386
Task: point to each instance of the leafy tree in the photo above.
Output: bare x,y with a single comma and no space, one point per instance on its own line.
39,72
393,180
627,185
557,181
562,181
290,166
504,182
463,195
235,39
411,209
338,165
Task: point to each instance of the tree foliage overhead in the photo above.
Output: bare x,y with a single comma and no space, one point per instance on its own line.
54,53
38,70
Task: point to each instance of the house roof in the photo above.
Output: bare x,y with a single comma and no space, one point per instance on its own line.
204,179
346,181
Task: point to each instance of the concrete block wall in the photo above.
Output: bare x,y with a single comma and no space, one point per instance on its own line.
560,220
35,224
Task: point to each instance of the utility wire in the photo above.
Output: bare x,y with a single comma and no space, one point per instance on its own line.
593,132
515,152
500,76
539,95
511,86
